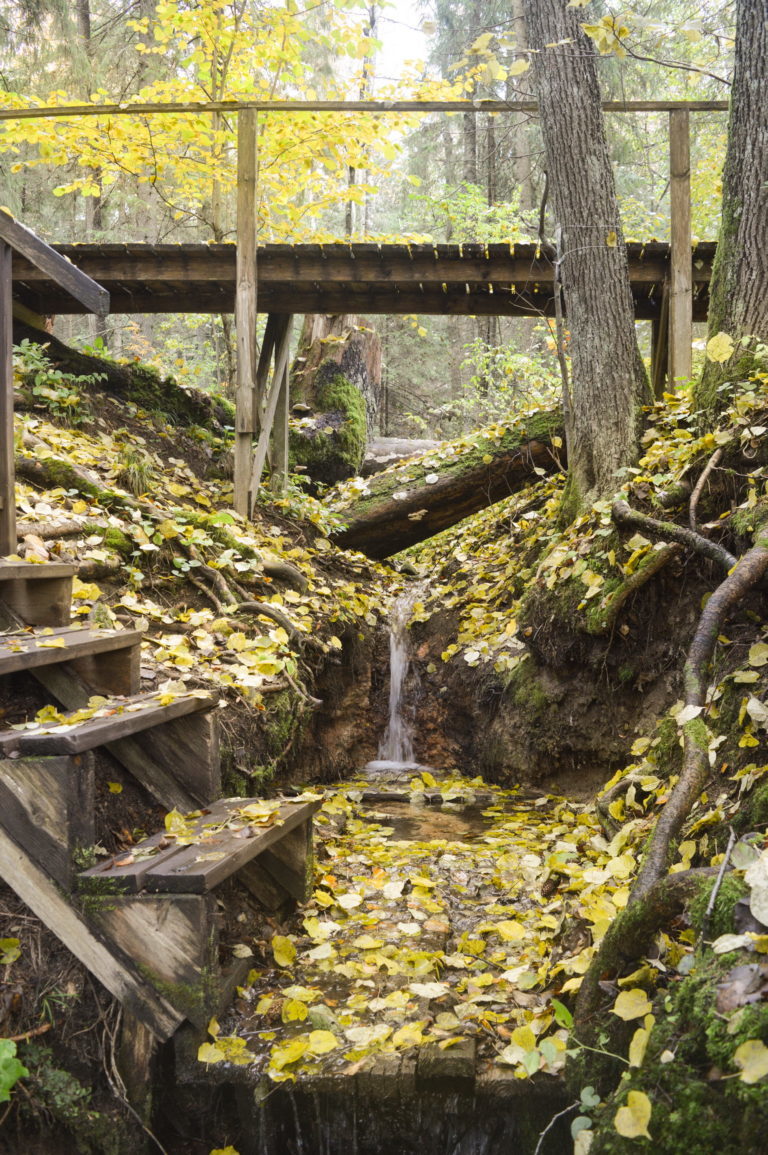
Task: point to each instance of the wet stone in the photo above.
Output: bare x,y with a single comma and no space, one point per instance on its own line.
452,1068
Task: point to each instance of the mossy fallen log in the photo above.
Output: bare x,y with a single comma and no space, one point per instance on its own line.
412,502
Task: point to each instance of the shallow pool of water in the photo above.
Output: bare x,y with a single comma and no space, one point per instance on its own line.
410,823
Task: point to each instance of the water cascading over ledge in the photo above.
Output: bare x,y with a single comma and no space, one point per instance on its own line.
397,743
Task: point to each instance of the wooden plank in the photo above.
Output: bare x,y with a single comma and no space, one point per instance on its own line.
681,272
128,716
202,774
137,1051
271,335
246,305
660,346
49,261
374,106
280,429
40,595
192,871
107,661
7,459
290,862
177,761
174,942
281,368
47,807
365,278
131,878
33,571
113,970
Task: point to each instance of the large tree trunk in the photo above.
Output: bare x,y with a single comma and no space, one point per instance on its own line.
738,299
420,498
609,383
336,392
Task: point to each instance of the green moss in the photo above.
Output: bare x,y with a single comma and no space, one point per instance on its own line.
163,395
542,426
697,732
332,456
746,522
58,1104
61,473
755,813
697,1108
118,542
732,888
281,722
196,999
525,689
666,752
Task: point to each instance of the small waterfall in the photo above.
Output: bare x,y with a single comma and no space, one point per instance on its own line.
397,744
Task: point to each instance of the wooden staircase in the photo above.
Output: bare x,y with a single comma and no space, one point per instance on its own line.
145,922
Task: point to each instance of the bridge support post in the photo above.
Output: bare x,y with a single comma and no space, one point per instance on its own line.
7,467
246,314
681,288
274,413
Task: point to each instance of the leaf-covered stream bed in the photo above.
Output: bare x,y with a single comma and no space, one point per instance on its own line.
478,924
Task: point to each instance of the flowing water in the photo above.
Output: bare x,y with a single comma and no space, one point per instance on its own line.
396,746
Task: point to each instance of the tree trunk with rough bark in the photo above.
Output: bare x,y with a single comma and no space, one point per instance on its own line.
336,394
608,381
738,301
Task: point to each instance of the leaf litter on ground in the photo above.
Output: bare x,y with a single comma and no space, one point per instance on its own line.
406,943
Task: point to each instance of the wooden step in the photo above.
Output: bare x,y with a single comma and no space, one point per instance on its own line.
39,593
111,965
47,805
116,718
106,660
223,842
178,762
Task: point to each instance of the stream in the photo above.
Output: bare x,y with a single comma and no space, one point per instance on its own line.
409,971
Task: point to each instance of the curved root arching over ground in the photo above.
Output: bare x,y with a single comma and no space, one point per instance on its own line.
656,896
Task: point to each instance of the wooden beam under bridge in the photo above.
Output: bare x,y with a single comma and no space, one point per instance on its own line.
431,279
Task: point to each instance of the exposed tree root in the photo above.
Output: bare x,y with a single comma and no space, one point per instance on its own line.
267,611
650,565
628,938
624,515
656,897
52,530
749,570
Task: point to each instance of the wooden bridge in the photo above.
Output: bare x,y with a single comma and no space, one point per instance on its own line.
476,279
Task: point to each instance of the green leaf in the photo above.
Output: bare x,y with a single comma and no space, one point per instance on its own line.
563,1016
11,1070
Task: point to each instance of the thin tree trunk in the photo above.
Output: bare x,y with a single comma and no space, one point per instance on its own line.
608,379
739,288
518,122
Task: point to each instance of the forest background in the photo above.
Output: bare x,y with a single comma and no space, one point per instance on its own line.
323,177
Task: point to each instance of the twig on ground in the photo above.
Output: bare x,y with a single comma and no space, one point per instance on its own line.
699,487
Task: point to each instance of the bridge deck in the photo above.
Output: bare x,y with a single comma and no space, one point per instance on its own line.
498,279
